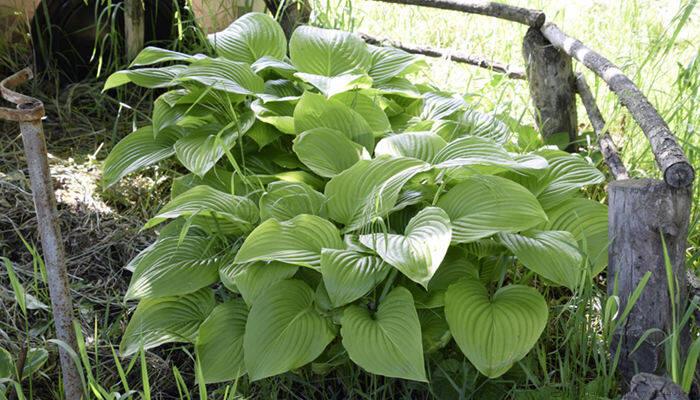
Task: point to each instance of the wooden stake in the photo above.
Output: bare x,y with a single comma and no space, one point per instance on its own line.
640,210
607,147
552,87
676,169
134,27
456,56
521,15
289,13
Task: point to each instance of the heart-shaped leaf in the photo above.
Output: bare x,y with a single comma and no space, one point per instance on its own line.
137,150
219,344
328,152
390,62
174,266
472,151
473,123
286,200
420,250
567,173
495,331
349,275
225,212
298,241
225,75
165,320
284,331
369,107
327,52
552,254
151,78
587,220
421,145
389,342
252,279
485,205
315,111
369,189
249,38
333,85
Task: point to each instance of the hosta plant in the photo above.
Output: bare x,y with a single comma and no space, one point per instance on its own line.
326,207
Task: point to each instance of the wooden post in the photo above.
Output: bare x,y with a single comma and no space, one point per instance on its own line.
134,27
639,211
552,86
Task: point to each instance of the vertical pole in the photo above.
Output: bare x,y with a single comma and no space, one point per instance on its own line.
290,13
552,88
134,27
640,210
29,113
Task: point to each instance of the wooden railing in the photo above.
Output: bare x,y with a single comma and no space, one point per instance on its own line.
646,216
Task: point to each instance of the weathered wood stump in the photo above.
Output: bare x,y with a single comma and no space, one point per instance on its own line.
640,210
653,387
552,86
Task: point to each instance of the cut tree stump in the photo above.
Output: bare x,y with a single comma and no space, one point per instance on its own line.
640,210
552,87
646,386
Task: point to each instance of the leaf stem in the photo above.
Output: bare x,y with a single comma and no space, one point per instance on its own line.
389,282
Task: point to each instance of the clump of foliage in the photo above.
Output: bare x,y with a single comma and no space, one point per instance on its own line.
330,210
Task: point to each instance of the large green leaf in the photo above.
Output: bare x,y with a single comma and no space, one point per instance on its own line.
166,319
421,145
315,111
369,189
439,105
298,241
137,150
286,200
276,113
328,52
387,342
495,331
202,149
154,55
151,78
219,344
485,205
587,220
420,250
567,173
473,123
174,266
474,151
390,62
455,266
225,75
333,85
368,107
328,152
284,331
249,38
552,254
252,279
225,212
349,275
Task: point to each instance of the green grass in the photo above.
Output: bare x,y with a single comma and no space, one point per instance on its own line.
654,42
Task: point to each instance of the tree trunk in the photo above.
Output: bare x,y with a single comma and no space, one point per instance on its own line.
292,14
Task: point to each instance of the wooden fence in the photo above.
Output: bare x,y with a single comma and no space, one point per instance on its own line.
641,211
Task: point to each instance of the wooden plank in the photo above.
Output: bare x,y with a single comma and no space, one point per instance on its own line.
552,87
607,146
456,56
134,27
534,18
640,210
676,169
